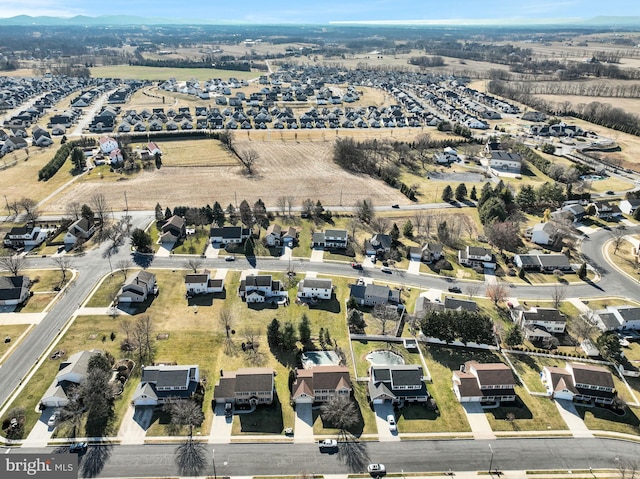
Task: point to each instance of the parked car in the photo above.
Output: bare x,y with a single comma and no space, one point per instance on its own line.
376,469
356,265
328,444
228,410
78,447
395,206
386,269
392,423
229,258
53,419
455,289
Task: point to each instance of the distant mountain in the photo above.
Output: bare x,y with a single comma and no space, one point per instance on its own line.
83,20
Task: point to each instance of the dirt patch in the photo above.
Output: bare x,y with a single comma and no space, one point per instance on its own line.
285,168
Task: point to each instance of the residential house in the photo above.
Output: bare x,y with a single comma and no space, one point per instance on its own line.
163,383
315,288
13,143
261,288
424,305
153,149
458,304
449,155
477,257
428,253
202,283
24,237
108,144
544,263
378,245
397,383
81,229
618,317
251,386
579,382
505,162
606,211
14,290
320,384
71,373
476,382
337,239
629,205
276,236
542,233
174,229
229,235
540,325
137,288
374,294
573,213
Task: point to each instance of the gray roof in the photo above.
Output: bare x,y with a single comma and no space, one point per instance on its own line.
316,283
460,304
629,313
544,314
78,362
336,233
11,286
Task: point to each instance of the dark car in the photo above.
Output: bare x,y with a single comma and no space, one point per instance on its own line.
395,206
455,289
78,447
356,265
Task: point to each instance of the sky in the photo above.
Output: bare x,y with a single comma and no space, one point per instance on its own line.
326,11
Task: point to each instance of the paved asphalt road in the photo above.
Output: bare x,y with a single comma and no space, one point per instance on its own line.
408,456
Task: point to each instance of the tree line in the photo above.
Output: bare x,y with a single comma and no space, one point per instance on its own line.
54,165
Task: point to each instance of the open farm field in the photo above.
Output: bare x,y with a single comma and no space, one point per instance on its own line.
159,73
298,169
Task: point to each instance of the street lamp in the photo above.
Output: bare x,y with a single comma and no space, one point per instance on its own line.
491,461
213,460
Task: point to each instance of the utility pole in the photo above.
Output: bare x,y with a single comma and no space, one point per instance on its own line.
491,461
213,460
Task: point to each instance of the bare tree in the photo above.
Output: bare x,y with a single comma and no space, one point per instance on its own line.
248,157
354,224
193,264
379,224
341,413
418,222
384,315
142,333
558,294
73,210
618,237
497,292
290,202
30,209
281,203
12,263
252,344
100,208
185,412
15,207
226,320
472,290
63,263
124,265
469,225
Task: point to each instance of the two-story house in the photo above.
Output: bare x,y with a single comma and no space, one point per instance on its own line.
315,288
229,235
161,383
396,384
108,144
378,245
618,317
427,253
138,287
374,294
277,236
606,210
14,290
321,383
81,229
505,162
71,373
330,239
477,257
174,229
202,283
476,382
252,386
579,382
261,288
24,237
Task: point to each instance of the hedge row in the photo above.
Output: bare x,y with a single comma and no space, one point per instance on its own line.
51,168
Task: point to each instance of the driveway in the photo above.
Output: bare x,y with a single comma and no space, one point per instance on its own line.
287,253
303,430
317,255
490,276
382,411
574,422
221,427
212,252
478,421
414,267
135,423
164,251
41,433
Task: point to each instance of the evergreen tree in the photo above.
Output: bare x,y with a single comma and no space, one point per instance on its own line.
78,159
318,209
395,233
474,193
526,198
87,213
321,337
447,194
249,247
260,214
274,335
246,215
407,229
582,271
513,336
167,213
232,215
217,215
289,337
304,330
461,192
159,214
485,193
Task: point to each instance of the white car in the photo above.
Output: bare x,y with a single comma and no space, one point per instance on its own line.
376,469
328,444
392,423
53,419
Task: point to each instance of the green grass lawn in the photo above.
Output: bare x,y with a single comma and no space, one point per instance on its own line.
598,304
37,303
107,291
194,244
528,413
362,348
366,420
597,418
529,368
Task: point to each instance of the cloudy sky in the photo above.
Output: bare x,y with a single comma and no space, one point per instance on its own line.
305,11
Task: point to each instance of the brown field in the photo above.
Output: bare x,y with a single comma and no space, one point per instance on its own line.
299,169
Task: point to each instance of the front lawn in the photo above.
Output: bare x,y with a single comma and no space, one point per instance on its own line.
601,419
106,291
11,332
527,413
366,419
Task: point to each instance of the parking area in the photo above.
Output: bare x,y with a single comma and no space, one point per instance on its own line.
317,255
382,412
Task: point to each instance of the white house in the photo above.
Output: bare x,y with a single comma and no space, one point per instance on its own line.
550,319
315,288
629,206
542,233
579,382
108,144
81,229
138,287
330,239
201,283
476,382
14,289
618,317
477,256
163,382
24,237
229,234
261,288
